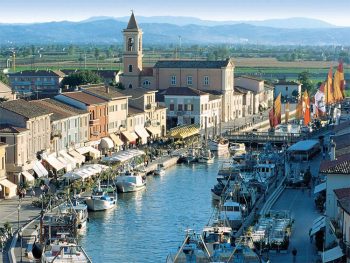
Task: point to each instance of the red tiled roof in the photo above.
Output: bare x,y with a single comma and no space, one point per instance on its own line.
84,98
7,128
341,165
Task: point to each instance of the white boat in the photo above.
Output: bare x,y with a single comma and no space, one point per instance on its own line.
130,182
206,157
80,209
219,145
160,170
233,213
217,236
100,200
63,251
237,147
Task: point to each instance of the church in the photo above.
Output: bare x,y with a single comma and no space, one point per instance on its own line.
214,77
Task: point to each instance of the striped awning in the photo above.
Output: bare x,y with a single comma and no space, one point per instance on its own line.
29,177
130,136
117,141
39,169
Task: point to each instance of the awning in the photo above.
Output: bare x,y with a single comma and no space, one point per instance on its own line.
332,254
28,176
117,141
130,136
106,143
320,187
77,156
88,149
8,184
141,131
67,164
56,164
123,156
154,130
69,158
39,169
319,223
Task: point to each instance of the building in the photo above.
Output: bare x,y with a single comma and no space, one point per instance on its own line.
69,125
202,75
191,106
288,89
6,92
135,132
98,112
337,173
262,93
247,100
7,188
117,105
36,83
145,100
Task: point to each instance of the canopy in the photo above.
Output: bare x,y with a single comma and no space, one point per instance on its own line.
320,188
69,158
10,188
86,171
56,164
153,130
77,156
28,176
8,184
123,156
117,141
182,132
317,225
39,169
106,143
130,136
88,149
66,163
306,145
332,254
142,133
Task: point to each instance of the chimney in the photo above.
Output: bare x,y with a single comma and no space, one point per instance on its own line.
107,88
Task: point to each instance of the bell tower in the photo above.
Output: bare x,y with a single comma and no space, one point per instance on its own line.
132,57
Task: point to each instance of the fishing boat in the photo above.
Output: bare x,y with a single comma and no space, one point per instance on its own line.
100,200
206,156
130,182
63,250
219,145
191,156
233,213
160,170
237,147
80,209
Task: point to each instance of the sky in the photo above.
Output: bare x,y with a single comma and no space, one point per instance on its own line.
29,11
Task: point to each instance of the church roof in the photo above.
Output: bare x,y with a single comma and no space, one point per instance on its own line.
192,64
132,22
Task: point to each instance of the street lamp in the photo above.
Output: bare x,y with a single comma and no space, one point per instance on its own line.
20,234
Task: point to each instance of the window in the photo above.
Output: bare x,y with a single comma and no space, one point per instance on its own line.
130,44
173,80
3,139
146,83
130,68
130,86
189,80
116,107
287,88
171,107
179,107
206,80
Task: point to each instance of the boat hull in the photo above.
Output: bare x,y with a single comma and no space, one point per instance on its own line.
100,205
124,187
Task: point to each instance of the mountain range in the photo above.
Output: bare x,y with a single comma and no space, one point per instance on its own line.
165,30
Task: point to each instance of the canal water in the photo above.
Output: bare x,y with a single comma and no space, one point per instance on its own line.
149,224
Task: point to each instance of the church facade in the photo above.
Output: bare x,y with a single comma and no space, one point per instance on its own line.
214,77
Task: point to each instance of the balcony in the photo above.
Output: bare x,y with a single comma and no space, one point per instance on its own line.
151,106
94,122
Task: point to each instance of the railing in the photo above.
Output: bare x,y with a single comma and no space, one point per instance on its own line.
262,137
150,106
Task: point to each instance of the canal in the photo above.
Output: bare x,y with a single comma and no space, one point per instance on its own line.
147,225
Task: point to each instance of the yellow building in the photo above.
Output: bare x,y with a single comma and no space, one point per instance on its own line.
7,189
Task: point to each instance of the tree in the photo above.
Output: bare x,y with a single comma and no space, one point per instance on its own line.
304,79
4,79
81,78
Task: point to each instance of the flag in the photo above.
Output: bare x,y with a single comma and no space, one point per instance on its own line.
320,107
299,110
328,88
277,109
286,113
339,83
306,107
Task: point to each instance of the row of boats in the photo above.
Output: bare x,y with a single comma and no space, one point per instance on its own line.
240,183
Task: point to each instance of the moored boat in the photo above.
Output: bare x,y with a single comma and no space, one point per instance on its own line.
219,145
160,170
100,200
130,182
